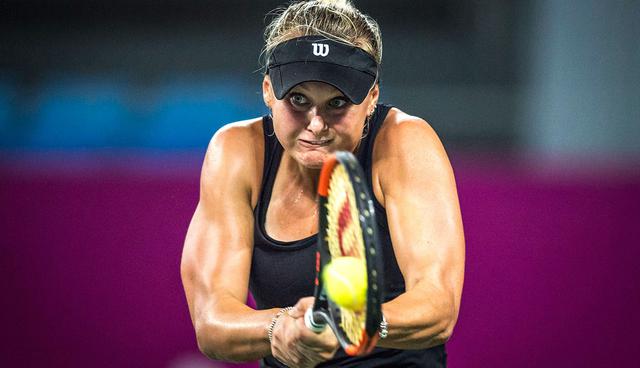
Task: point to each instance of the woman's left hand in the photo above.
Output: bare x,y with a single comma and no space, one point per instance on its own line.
295,345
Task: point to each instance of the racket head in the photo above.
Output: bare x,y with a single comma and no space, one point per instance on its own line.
347,227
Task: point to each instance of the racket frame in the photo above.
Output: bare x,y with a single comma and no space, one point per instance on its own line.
324,311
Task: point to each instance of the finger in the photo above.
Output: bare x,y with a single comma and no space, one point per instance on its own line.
324,343
309,336
309,357
280,345
289,356
291,350
313,355
298,357
301,307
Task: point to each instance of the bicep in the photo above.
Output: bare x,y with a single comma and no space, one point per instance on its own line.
423,212
217,252
216,256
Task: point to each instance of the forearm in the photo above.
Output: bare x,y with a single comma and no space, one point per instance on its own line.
232,331
419,319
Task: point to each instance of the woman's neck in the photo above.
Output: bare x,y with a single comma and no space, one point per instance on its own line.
301,176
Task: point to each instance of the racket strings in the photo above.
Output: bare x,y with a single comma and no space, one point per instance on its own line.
345,239
345,234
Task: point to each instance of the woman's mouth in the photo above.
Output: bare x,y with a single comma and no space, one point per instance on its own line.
315,143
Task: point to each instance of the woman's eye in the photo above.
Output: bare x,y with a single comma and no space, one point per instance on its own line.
298,99
337,103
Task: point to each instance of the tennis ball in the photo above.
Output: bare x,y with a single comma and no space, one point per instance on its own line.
345,280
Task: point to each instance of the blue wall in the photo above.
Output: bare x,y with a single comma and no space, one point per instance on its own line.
74,112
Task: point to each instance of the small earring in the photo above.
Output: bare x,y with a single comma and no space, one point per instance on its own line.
365,130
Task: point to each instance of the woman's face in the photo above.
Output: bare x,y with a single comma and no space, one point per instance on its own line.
315,119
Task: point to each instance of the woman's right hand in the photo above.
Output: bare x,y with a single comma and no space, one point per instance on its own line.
295,345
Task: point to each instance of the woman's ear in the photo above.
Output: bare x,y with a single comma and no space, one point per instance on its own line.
267,91
374,94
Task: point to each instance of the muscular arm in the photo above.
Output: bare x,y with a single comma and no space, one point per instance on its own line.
420,198
216,258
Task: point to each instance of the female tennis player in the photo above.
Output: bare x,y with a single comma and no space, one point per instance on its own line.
255,224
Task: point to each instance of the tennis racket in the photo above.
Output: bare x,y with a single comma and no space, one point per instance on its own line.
347,227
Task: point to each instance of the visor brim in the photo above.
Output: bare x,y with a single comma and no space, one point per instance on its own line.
354,84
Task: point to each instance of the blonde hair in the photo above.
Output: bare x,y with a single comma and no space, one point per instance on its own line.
338,20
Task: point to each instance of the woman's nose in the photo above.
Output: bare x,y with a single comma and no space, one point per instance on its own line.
316,122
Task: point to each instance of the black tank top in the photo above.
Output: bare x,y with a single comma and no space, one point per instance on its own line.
284,272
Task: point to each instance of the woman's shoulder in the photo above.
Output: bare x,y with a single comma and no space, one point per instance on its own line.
403,141
400,132
239,132
237,149
239,138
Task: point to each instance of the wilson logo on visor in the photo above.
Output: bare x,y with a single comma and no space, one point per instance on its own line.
320,49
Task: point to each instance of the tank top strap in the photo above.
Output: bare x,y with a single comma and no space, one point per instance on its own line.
272,155
365,151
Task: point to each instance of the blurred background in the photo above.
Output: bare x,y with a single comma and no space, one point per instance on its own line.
106,109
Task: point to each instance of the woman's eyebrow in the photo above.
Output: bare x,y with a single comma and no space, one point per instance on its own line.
305,91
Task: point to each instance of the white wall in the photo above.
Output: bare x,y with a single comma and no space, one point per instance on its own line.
582,91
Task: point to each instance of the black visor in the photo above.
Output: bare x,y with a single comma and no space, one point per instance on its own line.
319,59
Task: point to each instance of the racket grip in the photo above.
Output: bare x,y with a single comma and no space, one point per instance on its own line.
311,323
